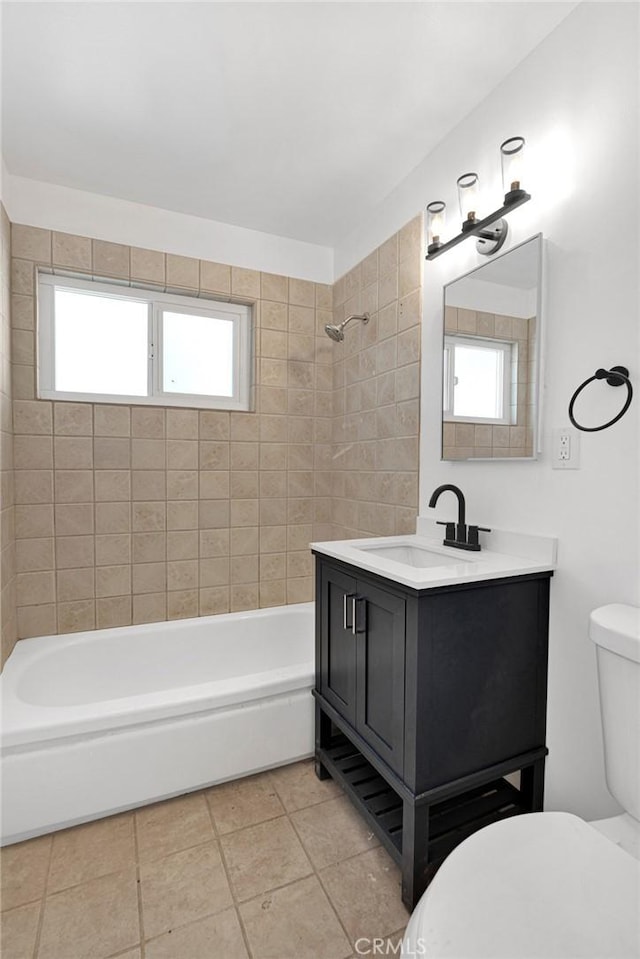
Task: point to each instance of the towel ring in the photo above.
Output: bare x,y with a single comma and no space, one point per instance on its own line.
616,376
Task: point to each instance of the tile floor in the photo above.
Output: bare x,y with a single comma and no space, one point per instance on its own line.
275,866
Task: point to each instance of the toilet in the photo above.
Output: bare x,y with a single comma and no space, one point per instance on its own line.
550,884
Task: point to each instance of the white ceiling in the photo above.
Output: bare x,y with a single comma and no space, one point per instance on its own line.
290,118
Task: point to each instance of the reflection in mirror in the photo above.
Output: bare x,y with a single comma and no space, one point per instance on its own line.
490,358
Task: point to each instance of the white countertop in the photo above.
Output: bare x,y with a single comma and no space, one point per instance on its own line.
511,554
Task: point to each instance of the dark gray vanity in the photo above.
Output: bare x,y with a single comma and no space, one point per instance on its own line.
427,697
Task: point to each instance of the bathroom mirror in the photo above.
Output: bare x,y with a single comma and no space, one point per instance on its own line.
491,350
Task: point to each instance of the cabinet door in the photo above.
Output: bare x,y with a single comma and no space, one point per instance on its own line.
338,642
380,672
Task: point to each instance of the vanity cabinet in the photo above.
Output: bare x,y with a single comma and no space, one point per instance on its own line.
426,700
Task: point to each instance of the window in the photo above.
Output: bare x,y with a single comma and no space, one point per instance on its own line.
98,342
477,379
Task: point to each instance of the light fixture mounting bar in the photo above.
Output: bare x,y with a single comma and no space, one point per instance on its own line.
480,225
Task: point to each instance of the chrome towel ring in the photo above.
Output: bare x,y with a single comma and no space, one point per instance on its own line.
616,376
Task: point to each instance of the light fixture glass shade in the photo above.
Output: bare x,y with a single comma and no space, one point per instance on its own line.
512,159
468,193
436,216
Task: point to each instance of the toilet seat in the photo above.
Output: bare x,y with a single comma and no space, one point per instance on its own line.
536,885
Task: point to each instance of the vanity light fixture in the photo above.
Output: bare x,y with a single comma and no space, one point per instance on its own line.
468,190
512,159
436,216
491,231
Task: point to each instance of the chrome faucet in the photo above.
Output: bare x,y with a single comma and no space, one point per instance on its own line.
458,534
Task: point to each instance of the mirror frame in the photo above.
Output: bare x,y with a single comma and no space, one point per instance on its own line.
538,357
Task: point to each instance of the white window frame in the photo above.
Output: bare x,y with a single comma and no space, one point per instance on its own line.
509,352
157,302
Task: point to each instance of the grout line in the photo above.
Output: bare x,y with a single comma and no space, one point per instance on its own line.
93,878
93,510
130,524
138,886
316,873
234,832
94,504
54,497
227,873
290,812
102,875
175,927
178,925
123,952
272,889
195,845
28,902
166,495
36,945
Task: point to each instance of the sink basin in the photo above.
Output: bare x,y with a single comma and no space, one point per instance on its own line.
415,556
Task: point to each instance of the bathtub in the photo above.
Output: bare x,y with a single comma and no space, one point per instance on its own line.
97,722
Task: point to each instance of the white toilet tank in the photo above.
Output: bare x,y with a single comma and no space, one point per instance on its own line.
615,630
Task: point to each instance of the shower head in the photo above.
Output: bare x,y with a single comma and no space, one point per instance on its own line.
336,331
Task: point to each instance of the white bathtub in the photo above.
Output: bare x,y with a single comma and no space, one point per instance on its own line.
97,722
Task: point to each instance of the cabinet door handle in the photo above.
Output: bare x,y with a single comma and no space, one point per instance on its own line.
345,622
357,627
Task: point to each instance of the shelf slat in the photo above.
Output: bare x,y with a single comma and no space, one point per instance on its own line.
443,845
467,809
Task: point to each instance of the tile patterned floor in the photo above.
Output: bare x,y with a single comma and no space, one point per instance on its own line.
275,866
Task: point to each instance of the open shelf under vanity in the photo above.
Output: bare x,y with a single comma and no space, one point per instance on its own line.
444,822
450,820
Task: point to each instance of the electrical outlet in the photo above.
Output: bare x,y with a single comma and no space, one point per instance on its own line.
566,449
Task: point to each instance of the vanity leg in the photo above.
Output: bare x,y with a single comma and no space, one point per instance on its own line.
532,786
321,772
323,735
416,870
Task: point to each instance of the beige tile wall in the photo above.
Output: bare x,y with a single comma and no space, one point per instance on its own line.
7,514
471,440
136,514
370,484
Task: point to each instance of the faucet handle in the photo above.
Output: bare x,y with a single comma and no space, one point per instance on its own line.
473,534
450,531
